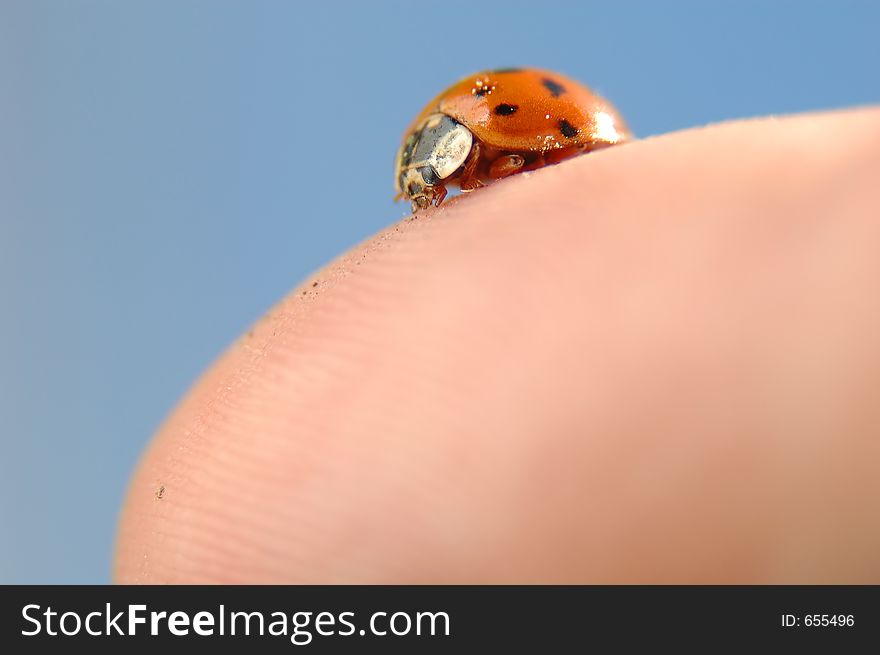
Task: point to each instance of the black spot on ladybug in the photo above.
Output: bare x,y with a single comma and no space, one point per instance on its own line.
555,88
505,110
567,129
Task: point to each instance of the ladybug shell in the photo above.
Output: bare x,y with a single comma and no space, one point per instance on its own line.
529,110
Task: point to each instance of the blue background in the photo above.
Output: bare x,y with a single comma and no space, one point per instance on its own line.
168,170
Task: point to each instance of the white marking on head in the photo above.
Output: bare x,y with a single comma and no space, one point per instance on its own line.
451,151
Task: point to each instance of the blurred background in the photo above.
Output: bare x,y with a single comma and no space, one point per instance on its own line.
168,170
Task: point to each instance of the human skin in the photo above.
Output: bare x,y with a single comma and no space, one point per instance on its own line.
657,363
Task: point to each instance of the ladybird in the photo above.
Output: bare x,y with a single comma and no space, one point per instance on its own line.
497,123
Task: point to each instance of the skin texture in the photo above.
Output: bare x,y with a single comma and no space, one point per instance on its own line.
655,363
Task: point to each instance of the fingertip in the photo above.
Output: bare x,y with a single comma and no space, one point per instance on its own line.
415,410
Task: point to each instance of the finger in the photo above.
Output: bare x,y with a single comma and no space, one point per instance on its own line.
652,363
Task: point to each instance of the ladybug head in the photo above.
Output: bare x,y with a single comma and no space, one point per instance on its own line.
432,154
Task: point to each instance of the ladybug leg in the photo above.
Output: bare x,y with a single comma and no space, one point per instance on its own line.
468,180
439,194
506,165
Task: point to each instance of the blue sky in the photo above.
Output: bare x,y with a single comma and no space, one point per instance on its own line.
168,170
